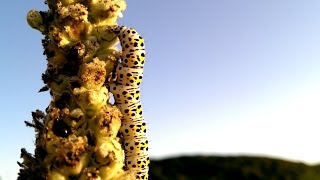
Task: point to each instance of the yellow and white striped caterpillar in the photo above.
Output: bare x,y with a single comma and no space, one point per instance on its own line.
126,92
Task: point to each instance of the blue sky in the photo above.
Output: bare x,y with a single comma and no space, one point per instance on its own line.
222,77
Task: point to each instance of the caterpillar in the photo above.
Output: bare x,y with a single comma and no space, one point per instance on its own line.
126,92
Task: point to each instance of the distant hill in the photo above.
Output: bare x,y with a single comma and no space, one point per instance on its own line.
231,168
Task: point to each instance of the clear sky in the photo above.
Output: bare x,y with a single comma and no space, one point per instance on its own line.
222,77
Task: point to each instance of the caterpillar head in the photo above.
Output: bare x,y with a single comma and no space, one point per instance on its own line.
118,29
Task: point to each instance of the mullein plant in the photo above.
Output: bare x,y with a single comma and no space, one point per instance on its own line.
81,135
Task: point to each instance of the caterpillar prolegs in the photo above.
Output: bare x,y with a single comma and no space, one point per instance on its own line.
126,93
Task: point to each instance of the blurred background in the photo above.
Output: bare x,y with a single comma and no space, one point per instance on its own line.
222,78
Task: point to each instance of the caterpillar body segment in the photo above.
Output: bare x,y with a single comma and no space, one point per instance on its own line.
139,128
125,95
136,150
137,146
132,112
129,76
126,92
133,49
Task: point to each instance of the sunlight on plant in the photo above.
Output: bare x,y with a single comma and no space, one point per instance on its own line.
81,135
